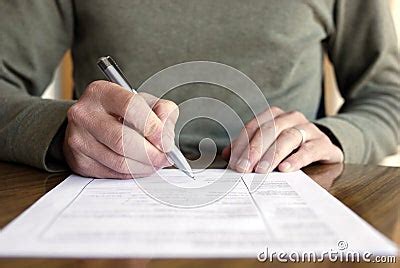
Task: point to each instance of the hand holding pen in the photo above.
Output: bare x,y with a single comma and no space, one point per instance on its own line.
97,144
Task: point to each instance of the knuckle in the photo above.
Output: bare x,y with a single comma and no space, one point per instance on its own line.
290,133
278,125
96,86
76,112
302,117
263,130
276,110
93,88
257,141
251,125
257,135
268,128
298,115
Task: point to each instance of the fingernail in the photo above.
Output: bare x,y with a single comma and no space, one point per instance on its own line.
263,167
243,164
286,166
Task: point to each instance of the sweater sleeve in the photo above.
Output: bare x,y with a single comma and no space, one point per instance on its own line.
364,52
34,37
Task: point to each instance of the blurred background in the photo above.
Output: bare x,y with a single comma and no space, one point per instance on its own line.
62,84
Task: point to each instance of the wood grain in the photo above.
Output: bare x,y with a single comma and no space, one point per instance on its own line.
370,191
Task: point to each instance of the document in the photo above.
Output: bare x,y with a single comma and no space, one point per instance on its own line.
100,218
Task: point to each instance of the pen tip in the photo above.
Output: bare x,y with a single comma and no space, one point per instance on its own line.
189,173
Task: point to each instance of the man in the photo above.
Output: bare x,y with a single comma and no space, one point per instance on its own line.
279,44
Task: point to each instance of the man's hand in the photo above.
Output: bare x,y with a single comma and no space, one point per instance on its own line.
286,140
98,144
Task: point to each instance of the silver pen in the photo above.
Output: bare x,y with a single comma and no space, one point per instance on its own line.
115,75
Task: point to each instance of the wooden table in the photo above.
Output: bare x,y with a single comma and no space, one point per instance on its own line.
370,191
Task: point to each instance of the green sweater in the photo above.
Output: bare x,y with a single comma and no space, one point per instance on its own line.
278,44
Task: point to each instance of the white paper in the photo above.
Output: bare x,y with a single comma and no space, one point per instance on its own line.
85,217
